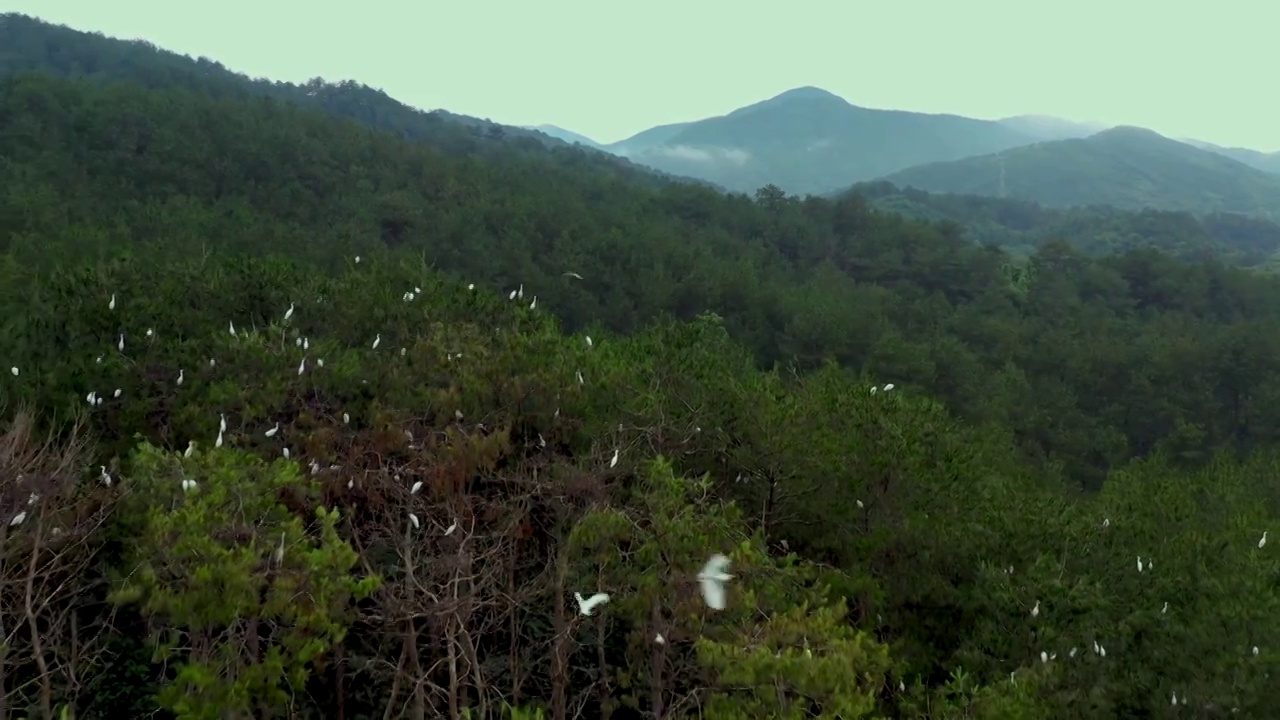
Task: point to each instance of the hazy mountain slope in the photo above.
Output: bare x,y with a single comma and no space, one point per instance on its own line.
568,136
1267,162
1126,167
31,45
810,141
1022,226
1045,127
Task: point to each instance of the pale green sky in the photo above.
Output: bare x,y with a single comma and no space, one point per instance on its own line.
1204,70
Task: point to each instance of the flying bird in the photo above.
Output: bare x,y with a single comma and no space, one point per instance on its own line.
712,578
587,605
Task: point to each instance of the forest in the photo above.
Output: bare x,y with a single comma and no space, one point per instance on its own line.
304,418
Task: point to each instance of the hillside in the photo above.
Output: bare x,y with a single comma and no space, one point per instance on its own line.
1044,127
30,45
303,418
810,141
1022,226
1129,168
1267,162
567,135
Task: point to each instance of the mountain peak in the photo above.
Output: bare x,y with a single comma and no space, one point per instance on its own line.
808,92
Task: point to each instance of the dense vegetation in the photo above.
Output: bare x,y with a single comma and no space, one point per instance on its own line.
1021,226
365,314
1129,168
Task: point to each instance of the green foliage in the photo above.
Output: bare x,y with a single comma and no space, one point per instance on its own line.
240,615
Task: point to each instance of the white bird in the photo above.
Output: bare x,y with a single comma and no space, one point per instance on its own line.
449,530
17,519
302,366
120,343
416,487
191,448
589,343
533,305
1035,611
712,577
580,380
104,475
1263,542
888,387
188,485
231,327
345,418
181,374
116,393
1255,650
512,296
587,605
14,370
1139,563
659,639
285,453
1044,656
278,555
288,313
1174,699
520,291
218,443
222,422
112,305
272,432
414,519
1164,609
377,341
572,274
614,461
1106,522
471,286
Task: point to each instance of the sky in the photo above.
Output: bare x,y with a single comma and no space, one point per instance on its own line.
609,70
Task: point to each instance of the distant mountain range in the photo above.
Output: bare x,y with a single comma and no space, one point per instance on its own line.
1126,167
809,141
805,141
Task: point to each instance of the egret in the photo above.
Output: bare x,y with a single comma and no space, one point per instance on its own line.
1263,542
218,443
104,475
116,393
416,487
181,374
589,343
449,530
17,519
188,485
1164,609
512,296
888,387
191,448
572,274
231,327
1255,650
278,555
285,453
471,286
288,313
1035,611
587,605
520,291
712,577
1139,563
120,343
272,432
222,422
414,520
659,639
345,418
377,341
302,366
580,380
14,370
112,305
1044,656
614,462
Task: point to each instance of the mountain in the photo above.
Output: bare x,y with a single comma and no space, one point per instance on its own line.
1045,127
568,136
1127,167
28,44
1267,162
808,140
1023,226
